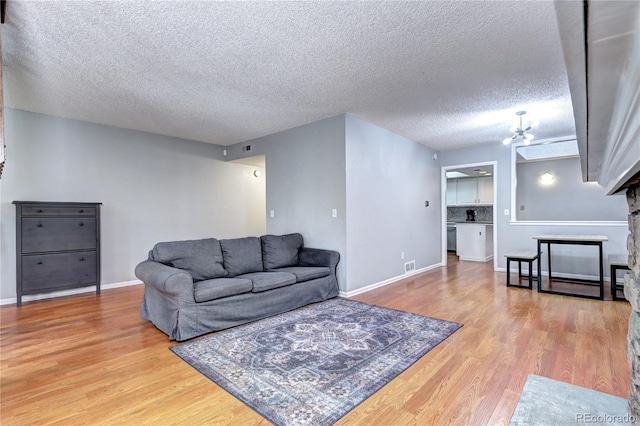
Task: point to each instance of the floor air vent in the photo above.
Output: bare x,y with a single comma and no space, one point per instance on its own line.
410,266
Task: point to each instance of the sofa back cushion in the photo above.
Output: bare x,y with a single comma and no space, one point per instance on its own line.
279,251
201,258
242,255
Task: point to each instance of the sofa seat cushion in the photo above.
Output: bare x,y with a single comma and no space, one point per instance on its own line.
242,255
202,259
263,281
220,287
306,273
279,251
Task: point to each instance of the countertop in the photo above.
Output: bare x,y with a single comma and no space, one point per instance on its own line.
477,222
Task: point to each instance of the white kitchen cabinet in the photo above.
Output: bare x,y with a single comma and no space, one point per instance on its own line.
452,188
474,241
467,192
485,190
470,191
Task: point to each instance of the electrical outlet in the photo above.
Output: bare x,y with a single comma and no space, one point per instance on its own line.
402,255
506,212
334,213
272,213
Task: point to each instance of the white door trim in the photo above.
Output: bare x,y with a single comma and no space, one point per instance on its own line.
443,203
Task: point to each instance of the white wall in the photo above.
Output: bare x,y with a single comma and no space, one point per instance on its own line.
389,178
518,236
153,188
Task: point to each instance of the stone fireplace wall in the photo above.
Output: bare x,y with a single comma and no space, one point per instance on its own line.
632,293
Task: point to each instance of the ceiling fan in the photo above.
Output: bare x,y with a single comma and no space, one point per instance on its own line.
520,132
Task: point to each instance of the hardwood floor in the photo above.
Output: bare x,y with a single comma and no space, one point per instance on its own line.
91,359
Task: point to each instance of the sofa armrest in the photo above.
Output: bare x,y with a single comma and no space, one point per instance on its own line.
318,257
169,280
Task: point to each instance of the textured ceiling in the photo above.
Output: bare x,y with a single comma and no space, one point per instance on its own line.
448,74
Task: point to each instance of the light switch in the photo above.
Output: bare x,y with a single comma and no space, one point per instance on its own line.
506,212
272,213
334,213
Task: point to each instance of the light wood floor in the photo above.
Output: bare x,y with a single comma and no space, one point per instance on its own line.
92,360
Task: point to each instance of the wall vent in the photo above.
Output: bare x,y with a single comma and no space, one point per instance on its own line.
410,266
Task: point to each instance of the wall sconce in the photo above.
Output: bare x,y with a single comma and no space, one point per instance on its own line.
546,179
257,173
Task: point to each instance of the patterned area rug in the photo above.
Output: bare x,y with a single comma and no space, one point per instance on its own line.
315,364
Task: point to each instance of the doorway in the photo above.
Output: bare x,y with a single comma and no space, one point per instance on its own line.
471,202
251,194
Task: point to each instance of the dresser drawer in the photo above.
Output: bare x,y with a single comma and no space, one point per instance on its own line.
58,211
60,270
58,234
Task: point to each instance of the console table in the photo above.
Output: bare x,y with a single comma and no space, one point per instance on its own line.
582,240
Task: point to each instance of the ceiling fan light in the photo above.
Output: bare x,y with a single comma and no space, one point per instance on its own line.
518,132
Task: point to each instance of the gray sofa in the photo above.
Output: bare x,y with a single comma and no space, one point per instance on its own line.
198,286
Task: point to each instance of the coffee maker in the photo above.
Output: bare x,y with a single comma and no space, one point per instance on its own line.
471,215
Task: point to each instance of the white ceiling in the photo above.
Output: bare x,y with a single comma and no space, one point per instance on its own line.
448,74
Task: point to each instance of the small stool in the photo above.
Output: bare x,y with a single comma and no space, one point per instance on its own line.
617,261
521,256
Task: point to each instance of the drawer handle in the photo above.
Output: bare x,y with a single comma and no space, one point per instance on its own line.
81,259
40,263
39,211
39,225
81,224
80,211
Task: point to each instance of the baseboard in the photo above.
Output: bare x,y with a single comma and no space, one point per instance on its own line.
62,293
476,259
388,281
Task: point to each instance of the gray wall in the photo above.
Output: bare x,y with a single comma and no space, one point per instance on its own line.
376,180
305,172
154,188
567,197
389,178
514,237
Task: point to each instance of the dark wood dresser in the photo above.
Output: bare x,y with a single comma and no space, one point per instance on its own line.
57,246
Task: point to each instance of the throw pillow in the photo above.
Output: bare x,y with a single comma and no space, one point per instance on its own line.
242,255
201,258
